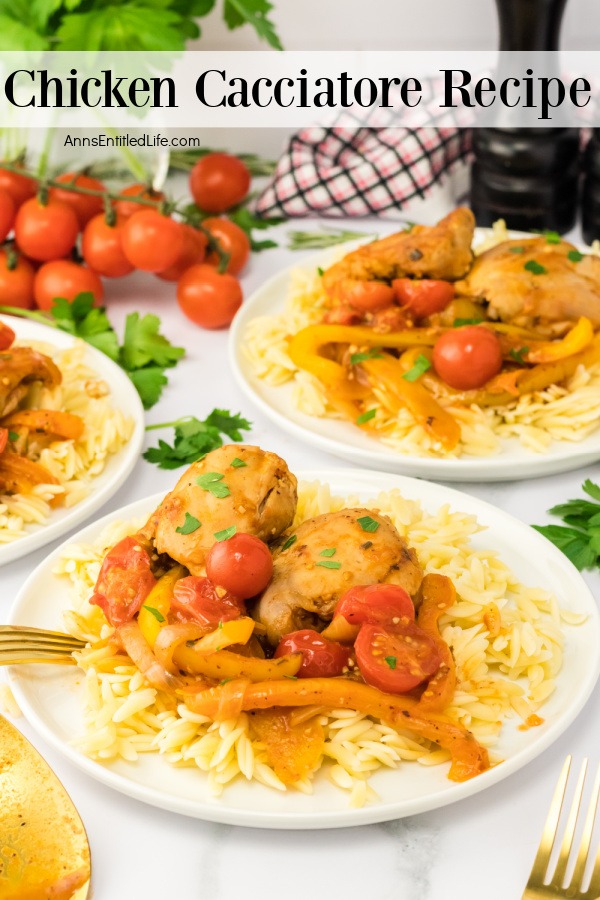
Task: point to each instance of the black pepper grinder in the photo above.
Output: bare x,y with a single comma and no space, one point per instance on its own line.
590,206
526,176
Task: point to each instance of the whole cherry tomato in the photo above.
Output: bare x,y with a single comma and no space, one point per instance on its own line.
8,211
218,182
242,564
207,297
194,250
85,206
368,296
423,296
126,208
321,658
151,242
46,231
396,661
16,280
20,187
466,358
64,278
233,240
102,249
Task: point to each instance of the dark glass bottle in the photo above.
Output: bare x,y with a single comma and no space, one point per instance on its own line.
527,176
590,206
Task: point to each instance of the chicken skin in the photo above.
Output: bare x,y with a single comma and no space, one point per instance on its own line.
534,282
19,367
306,584
239,485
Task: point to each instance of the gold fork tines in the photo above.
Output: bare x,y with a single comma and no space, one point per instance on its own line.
19,644
544,882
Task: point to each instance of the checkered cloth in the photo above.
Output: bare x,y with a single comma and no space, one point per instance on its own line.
363,171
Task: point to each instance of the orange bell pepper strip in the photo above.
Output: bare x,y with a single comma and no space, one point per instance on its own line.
18,475
438,594
50,421
576,340
158,601
225,664
468,757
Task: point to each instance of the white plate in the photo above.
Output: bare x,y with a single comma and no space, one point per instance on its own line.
118,466
344,439
52,700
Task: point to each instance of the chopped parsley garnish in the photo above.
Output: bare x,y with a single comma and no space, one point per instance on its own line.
220,625
320,271
518,355
552,237
330,551
575,256
579,537
291,540
516,249
226,533
13,436
213,483
368,524
329,564
391,661
194,438
291,677
238,463
420,367
225,681
357,358
191,524
156,613
366,416
458,323
535,268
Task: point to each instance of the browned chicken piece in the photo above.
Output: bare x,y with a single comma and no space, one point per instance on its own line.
441,251
304,589
258,497
534,282
19,367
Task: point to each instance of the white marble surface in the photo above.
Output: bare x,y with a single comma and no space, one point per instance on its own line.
479,848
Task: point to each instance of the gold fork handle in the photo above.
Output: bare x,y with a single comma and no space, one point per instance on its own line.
13,659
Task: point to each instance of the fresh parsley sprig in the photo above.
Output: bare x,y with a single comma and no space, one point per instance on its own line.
579,537
194,438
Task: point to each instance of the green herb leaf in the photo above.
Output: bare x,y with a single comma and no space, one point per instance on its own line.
291,540
149,382
592,489
368,524
255,13
579,538
516,249
143,344
575,256
248,222
13,436
194,438
330,551
357,358
320,271
391,661
230,424
535,268
552,237
320,240
329,564
420,367
291,677
226,533
190,525
213,483
366,416
518,355
238,463
458,323
156,613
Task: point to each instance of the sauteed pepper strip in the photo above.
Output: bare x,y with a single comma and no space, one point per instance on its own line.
438,594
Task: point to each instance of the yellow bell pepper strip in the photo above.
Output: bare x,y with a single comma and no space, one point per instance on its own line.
469,758
576,340
304,352
159,600
49,421
224,664
436,421
340,629
437,595
236,631
542,376
293,749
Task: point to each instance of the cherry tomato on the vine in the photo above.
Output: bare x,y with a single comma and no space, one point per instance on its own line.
207,297
423,296
233,240
16,280
466,358
321,658
8,211
126,208
242,564
396,660
193,252
102,249
151,242
64,278
20,187
219,181
46,231
85,206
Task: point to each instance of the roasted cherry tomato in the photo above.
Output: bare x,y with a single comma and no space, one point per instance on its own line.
126,208
233,241
151,241
466,358
20,187
64,278
207,297
124,582
375,604
321,658
85,206
46,231
196,600
3,439
102,249
242,564
16,280
218,182
396,661
7,336
8,212
369,296
193,253
423,297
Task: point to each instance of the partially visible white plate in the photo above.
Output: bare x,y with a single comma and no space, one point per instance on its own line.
345,440
118,466
53,700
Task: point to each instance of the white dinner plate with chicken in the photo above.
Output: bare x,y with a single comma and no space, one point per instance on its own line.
447,352
329,650
71,431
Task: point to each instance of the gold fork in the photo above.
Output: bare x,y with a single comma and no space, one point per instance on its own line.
544,884
20,644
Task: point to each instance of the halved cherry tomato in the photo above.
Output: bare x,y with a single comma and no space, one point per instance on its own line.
102,249
151,242
320,658
124,582
195,599
375,604
241,564
3,439
16,280
423,297
46,231
219,181
233,241
20,187
466,358
8,212
64,278
85,206
396,661
208,298
193,252
126,208
368,296
7,336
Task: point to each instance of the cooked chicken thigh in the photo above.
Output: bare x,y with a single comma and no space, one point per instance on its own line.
259,497
19,367
306,584
532,281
